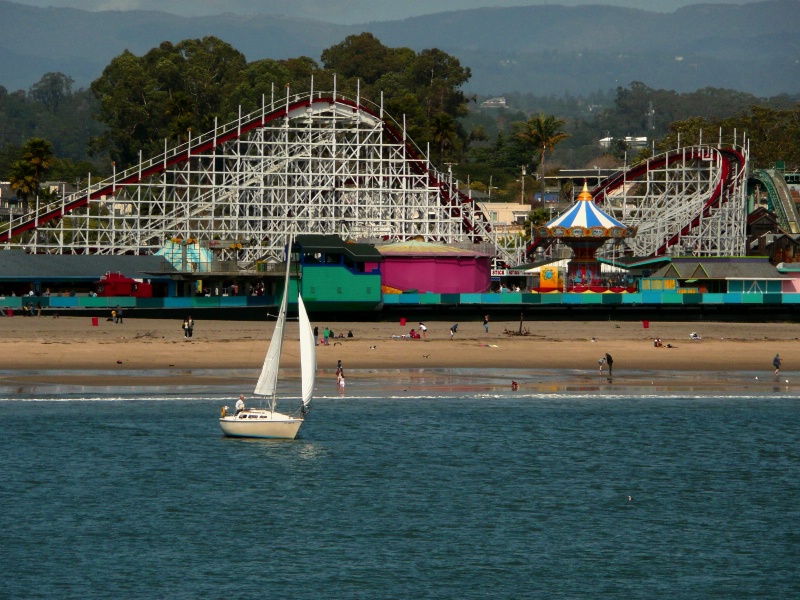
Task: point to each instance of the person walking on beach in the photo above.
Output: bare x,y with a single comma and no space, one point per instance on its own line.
326,333
486,323
453,331
423,330
316,336
776,362
341,385
610,363
190,322
185,328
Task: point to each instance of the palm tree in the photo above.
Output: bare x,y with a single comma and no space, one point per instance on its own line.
22,178
445,133
543,133
39,154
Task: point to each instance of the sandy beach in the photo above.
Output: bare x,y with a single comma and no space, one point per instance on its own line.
70,350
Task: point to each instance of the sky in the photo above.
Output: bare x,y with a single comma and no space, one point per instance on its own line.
347,12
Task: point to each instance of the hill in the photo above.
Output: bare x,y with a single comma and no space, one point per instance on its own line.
541,49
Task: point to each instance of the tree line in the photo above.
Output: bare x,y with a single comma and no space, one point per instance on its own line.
174,89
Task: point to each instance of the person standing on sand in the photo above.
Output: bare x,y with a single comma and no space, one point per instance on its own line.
486,323
453,331
776,362
423,329
610,363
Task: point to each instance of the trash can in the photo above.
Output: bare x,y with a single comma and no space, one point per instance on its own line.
646,324
95,322
403,322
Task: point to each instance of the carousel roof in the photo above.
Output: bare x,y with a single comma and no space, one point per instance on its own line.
585,214
586,220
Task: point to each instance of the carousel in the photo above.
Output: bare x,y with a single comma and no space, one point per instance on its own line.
585,228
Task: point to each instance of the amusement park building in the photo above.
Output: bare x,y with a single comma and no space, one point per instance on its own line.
317,163
71,281
425,267
718,275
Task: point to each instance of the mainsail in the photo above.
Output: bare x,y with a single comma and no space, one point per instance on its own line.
308,353
268,380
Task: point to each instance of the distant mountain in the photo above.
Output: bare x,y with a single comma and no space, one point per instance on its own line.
542,49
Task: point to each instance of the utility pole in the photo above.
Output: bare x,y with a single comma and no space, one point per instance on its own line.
450,166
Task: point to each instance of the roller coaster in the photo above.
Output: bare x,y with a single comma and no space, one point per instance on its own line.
319,162
689,201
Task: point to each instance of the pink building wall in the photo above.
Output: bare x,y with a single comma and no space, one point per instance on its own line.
791,286
440,275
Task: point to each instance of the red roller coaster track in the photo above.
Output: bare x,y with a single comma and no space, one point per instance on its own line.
731,161
452,199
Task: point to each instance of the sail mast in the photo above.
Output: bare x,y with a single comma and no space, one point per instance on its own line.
268,380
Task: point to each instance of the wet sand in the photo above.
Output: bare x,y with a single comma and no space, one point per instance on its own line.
70,351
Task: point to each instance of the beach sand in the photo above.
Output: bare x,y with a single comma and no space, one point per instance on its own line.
71,351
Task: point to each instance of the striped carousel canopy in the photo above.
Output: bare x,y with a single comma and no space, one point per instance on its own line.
585,214
585,220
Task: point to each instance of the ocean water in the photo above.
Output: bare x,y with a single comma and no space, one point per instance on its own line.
453,494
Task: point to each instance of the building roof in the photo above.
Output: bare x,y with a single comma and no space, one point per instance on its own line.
18,265
334,244
635,262
427,249
718,268
762,214
771,238
788,267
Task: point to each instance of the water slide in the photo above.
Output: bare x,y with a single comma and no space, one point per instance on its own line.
779,198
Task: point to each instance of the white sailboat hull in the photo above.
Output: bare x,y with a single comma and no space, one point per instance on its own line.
261,423
257,423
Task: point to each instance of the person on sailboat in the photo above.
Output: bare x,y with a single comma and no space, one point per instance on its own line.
240,404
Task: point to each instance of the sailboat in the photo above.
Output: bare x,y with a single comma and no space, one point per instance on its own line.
267,422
